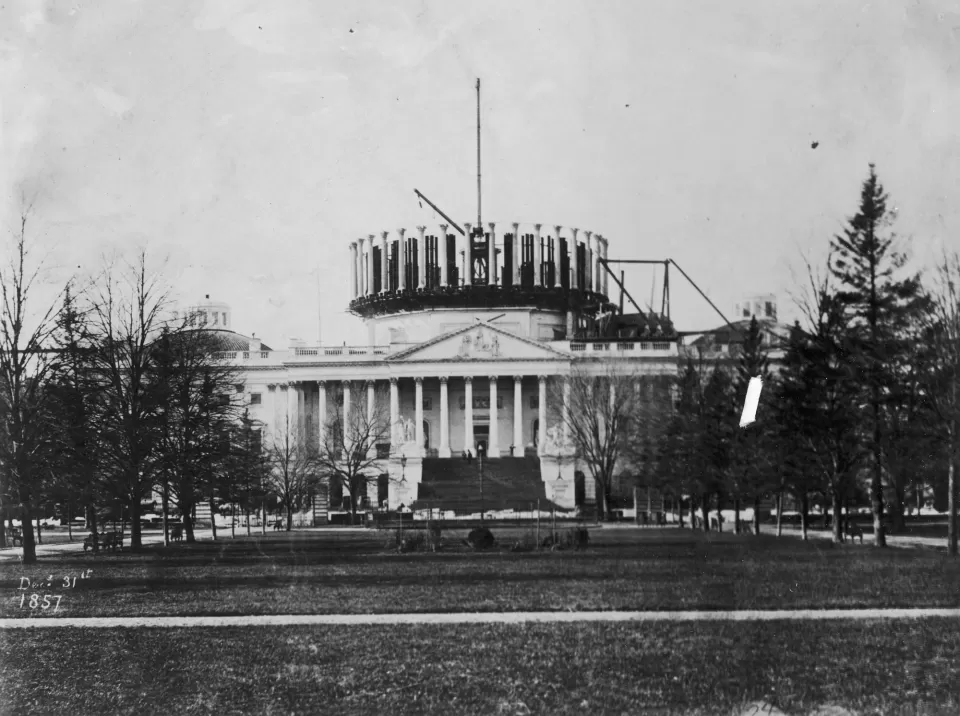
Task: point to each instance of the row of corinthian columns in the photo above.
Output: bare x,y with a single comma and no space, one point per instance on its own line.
293,402
361,259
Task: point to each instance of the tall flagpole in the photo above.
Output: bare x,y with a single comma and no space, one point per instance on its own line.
479,222
319,312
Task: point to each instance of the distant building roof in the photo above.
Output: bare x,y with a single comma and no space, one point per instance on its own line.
736,333
233,341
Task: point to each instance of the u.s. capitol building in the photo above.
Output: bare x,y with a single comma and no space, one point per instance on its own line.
465,333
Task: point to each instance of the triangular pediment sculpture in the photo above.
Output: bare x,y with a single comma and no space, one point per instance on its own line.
482,342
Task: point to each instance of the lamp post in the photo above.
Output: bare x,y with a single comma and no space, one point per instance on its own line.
480,452
403,479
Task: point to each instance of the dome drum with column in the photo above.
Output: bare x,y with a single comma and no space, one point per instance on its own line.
526,267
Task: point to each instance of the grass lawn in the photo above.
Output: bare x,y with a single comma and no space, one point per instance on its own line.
906,667
352,572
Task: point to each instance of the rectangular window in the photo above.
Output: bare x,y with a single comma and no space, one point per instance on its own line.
534,402
428,403
255,399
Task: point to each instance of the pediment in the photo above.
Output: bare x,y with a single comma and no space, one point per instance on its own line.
482,342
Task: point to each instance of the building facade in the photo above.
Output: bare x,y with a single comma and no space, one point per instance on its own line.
466,334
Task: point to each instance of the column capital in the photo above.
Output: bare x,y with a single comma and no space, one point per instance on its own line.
493,226
393,380
493,379
321,384
443,230
574,230
384,235
556,230
468,379
421,229
353,245
444,379
401,232
587,233
360,243
542,378
466,226
516,227
371,237
418,380
518,379
369,383
346,384
537,227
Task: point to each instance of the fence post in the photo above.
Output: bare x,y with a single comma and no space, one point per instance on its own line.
554,512
538,525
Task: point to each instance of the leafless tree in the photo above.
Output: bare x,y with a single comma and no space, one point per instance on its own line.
197,414
944,395
293,474
25,366
348,451
128,304
601,420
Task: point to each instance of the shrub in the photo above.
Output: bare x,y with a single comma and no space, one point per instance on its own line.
573,538
408,540
480,538
414,541
526,543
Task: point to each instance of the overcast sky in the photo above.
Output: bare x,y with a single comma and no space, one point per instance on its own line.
251,142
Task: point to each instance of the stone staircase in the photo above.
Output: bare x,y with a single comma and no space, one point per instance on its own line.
509,483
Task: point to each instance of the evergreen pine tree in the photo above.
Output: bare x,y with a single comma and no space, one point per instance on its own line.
879,306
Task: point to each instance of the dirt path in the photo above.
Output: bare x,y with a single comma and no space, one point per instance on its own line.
476,618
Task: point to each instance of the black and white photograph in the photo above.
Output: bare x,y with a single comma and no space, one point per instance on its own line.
479,357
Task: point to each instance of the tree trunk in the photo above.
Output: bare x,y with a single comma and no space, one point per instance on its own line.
780,514
263,523
39,532
26,523
69,522
187,512
213,518
290,516
92,519
804,508
165,506
835,506
3,534
756,515
136,542
736,514
719,512
876,482
705,512
233,522
899,504
952,493
599,495
246,511
680,512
